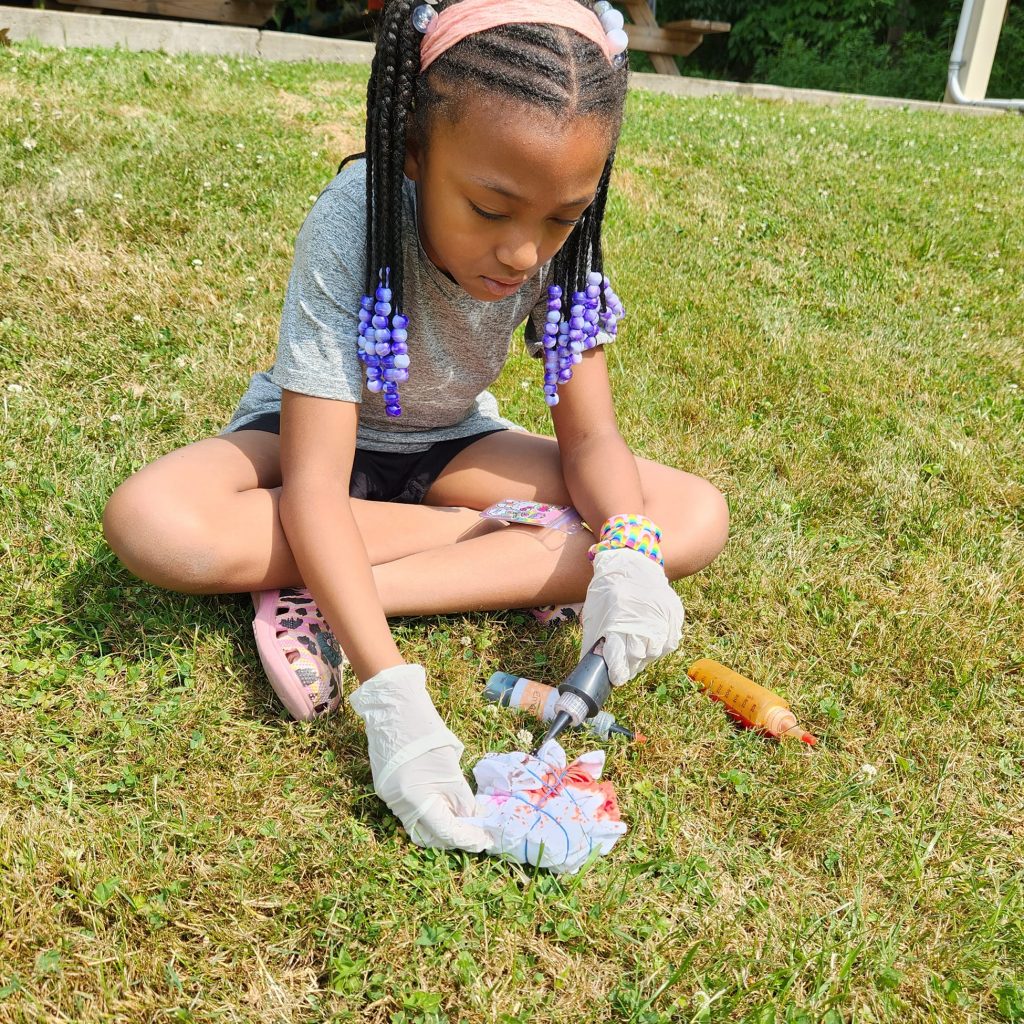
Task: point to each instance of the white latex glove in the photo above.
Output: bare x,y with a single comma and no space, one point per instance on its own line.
630,603
414,758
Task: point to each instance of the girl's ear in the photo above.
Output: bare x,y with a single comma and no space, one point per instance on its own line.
413,158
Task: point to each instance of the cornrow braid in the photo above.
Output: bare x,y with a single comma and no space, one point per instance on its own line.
542,65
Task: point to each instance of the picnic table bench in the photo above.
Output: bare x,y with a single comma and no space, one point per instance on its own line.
662,43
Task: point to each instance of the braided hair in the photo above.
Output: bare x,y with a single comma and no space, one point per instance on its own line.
543,65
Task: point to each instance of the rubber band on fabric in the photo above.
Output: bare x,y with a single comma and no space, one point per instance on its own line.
629,530
468,17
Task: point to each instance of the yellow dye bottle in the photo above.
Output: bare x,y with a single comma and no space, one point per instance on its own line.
751,705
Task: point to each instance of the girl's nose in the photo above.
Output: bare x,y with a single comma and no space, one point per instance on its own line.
518,254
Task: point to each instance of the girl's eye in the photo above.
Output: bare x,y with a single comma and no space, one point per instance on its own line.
501,216
485,214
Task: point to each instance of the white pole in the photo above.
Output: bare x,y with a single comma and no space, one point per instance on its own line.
985,23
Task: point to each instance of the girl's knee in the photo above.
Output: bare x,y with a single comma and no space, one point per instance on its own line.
716,516
158,537
704,515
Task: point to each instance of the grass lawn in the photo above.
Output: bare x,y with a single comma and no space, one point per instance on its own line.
826,313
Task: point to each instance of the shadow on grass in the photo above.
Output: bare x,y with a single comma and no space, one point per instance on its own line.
103,612
110,613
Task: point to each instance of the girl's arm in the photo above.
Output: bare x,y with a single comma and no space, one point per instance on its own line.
414,757
317,449
630,603
599,469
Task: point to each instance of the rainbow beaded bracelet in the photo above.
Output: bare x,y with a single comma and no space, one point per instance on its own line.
629,530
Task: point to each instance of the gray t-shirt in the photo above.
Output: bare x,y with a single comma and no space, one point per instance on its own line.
457,344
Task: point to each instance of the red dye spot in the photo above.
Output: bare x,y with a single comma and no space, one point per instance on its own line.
577,778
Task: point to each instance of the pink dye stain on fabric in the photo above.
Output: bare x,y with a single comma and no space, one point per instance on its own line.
545,812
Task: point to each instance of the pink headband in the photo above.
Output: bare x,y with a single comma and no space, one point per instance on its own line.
471,16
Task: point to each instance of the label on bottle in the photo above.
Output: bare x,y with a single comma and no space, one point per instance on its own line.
534,696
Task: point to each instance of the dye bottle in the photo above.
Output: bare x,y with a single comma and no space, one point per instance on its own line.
751,705
539,700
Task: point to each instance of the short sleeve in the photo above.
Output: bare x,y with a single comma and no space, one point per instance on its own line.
535,325
316,348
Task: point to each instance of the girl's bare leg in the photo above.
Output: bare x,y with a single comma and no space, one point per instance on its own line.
204,519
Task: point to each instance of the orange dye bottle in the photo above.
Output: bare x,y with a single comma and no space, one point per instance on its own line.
751,705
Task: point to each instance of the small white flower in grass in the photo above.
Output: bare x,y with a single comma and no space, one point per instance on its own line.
742,191
116,418
491,709
465,641
138,318
117,196
225,184
525,738
525,385
312,199
207,184
197,263
78,211
869,771
239,146
957,309
250,279
29,143
15,389
181,362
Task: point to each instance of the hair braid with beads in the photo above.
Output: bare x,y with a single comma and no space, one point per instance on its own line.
541,65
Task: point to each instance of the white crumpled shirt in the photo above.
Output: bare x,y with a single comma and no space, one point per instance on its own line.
540,811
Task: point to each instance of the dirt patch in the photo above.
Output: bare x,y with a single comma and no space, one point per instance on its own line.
340,131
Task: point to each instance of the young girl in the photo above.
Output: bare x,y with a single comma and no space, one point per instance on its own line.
353,472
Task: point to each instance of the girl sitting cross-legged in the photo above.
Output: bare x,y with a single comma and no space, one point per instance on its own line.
348,484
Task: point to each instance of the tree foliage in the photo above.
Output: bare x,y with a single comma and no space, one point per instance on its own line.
885,47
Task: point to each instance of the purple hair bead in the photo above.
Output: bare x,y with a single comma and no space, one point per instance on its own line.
382,346
565,340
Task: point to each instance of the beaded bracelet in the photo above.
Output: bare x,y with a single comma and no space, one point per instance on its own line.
630,530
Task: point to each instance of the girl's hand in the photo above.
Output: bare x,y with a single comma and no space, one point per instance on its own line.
630,603
414,758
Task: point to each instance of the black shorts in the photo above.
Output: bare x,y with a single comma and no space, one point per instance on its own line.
389,476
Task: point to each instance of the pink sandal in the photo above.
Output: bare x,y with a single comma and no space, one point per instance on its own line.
300,654
556,614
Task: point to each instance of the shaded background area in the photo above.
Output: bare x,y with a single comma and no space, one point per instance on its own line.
877,47
880,47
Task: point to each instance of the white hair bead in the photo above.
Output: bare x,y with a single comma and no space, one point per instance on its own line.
617,41
612,20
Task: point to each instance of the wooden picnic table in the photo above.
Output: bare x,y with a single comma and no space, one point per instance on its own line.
663,43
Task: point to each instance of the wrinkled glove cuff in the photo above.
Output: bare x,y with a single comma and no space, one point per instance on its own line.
388,703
